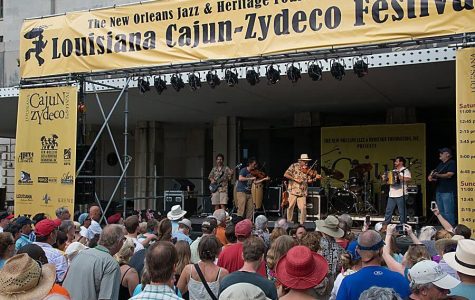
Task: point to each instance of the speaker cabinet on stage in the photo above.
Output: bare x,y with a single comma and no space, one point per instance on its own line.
414,203
273,199
182,198
316,206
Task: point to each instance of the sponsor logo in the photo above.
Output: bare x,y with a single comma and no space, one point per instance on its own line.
23,197
38,44
67,179
44,179
46,198
25,157
65,200
67,156
25,178
49,149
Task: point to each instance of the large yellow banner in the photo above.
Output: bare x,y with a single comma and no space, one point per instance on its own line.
164,32
465,68
45,150
375,147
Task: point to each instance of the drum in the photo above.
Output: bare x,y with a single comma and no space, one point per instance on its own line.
354,185
257,192
343,201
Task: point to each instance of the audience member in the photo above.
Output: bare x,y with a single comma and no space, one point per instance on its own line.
329,247
253,249
61,241
347,219
370,248
230,234
15,229
94,230
160,264
5,219
277,232
203,278
208,227
459,229
379,293
129,278
220,215
260,230
300,230
278,248
165,230
446,246
300,271
25,231
67,226
175,215
463,261
7,247
184,256
183,232
282,223
345,239
62,213
427,237
351,263
73,250
131,225
116,219
311,240
94,273
85,222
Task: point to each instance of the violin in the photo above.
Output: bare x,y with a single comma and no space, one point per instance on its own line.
311,173
258,174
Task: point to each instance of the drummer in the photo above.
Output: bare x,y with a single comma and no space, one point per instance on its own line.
298,186
355,175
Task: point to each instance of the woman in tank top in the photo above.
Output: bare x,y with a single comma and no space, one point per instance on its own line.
129,277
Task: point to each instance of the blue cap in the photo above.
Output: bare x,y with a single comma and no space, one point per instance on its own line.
445,149
82,218
351,249
23,221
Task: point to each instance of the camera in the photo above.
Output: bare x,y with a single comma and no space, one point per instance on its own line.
433,205
400,228
368,220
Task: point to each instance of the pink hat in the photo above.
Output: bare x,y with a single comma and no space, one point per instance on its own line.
243,228
114,219
301,268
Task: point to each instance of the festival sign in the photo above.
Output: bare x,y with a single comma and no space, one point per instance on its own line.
45,153
375,147
164,32
465,80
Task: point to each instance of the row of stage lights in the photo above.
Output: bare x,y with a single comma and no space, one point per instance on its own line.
314,70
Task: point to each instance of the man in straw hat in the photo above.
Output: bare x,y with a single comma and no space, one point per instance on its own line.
298,185
430,282
463,261
331,250
370,248
300,270
175,215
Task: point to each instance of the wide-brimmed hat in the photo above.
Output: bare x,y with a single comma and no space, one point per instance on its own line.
305,157
243,290
301,268
330,226
22,278
428,271
176,213
463,259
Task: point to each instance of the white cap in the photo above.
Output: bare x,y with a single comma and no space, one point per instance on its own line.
378,226
185,222
428,271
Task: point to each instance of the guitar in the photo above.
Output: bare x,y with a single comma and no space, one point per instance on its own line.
214,186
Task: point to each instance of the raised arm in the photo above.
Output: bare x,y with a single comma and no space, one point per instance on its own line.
392,264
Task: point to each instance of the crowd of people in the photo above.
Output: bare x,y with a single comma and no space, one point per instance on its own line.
149,256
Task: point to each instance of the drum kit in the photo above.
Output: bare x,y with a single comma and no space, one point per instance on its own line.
355,194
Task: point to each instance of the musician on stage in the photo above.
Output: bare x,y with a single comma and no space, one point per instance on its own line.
446,189
299,179
220,176
243,190
397,179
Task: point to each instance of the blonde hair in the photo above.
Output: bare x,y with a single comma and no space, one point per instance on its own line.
278,248
143,227
277,232
184,255
416,253
125,253
443,234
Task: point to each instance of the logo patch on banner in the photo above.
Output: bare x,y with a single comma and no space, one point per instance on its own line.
25,157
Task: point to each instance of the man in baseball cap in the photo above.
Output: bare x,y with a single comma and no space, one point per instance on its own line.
5,218
25,230
430,282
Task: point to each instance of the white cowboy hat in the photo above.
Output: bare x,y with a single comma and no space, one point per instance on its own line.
463,259
176,213
304,156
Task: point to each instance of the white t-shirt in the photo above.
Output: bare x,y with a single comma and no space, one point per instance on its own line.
83,232
138,245
395,190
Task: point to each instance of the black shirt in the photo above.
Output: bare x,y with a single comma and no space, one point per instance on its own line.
447,185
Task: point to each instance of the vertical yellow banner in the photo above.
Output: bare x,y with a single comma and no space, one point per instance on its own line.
45,150
465,68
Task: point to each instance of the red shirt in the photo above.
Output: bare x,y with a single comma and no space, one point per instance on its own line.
231,259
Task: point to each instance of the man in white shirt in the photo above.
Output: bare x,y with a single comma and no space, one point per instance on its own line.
95,228
132,226
398,180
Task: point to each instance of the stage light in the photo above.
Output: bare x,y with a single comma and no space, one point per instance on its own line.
231,77
272,74
177,82
160,84
213,79
144,85
337,69
293,73
315,71
360,67
252,76
194,81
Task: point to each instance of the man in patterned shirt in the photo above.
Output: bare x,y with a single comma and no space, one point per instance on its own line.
220,175
160,263
298,186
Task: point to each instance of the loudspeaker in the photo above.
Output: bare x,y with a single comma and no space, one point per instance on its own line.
181,198
316,206
414,204
273,199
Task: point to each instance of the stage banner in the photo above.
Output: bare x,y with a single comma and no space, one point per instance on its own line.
173,32
45,150
371,150
465,79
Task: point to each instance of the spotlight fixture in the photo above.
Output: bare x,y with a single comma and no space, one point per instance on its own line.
143,84
213,79
160,84
252,76
194,81
337,69
231,77
293,73
177,82
360,67
272,74
315,71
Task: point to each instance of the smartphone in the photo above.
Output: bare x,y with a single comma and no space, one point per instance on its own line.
400,228
433,205
368,220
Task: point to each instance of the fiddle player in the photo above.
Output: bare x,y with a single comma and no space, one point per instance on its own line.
220,175
298,186
397,190
243,189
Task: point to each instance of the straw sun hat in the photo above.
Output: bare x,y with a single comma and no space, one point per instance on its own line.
23,278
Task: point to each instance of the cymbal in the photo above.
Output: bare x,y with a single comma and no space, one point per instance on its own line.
335,174
362,168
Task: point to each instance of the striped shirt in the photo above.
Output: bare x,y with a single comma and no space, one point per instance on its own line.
56,258
158,292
